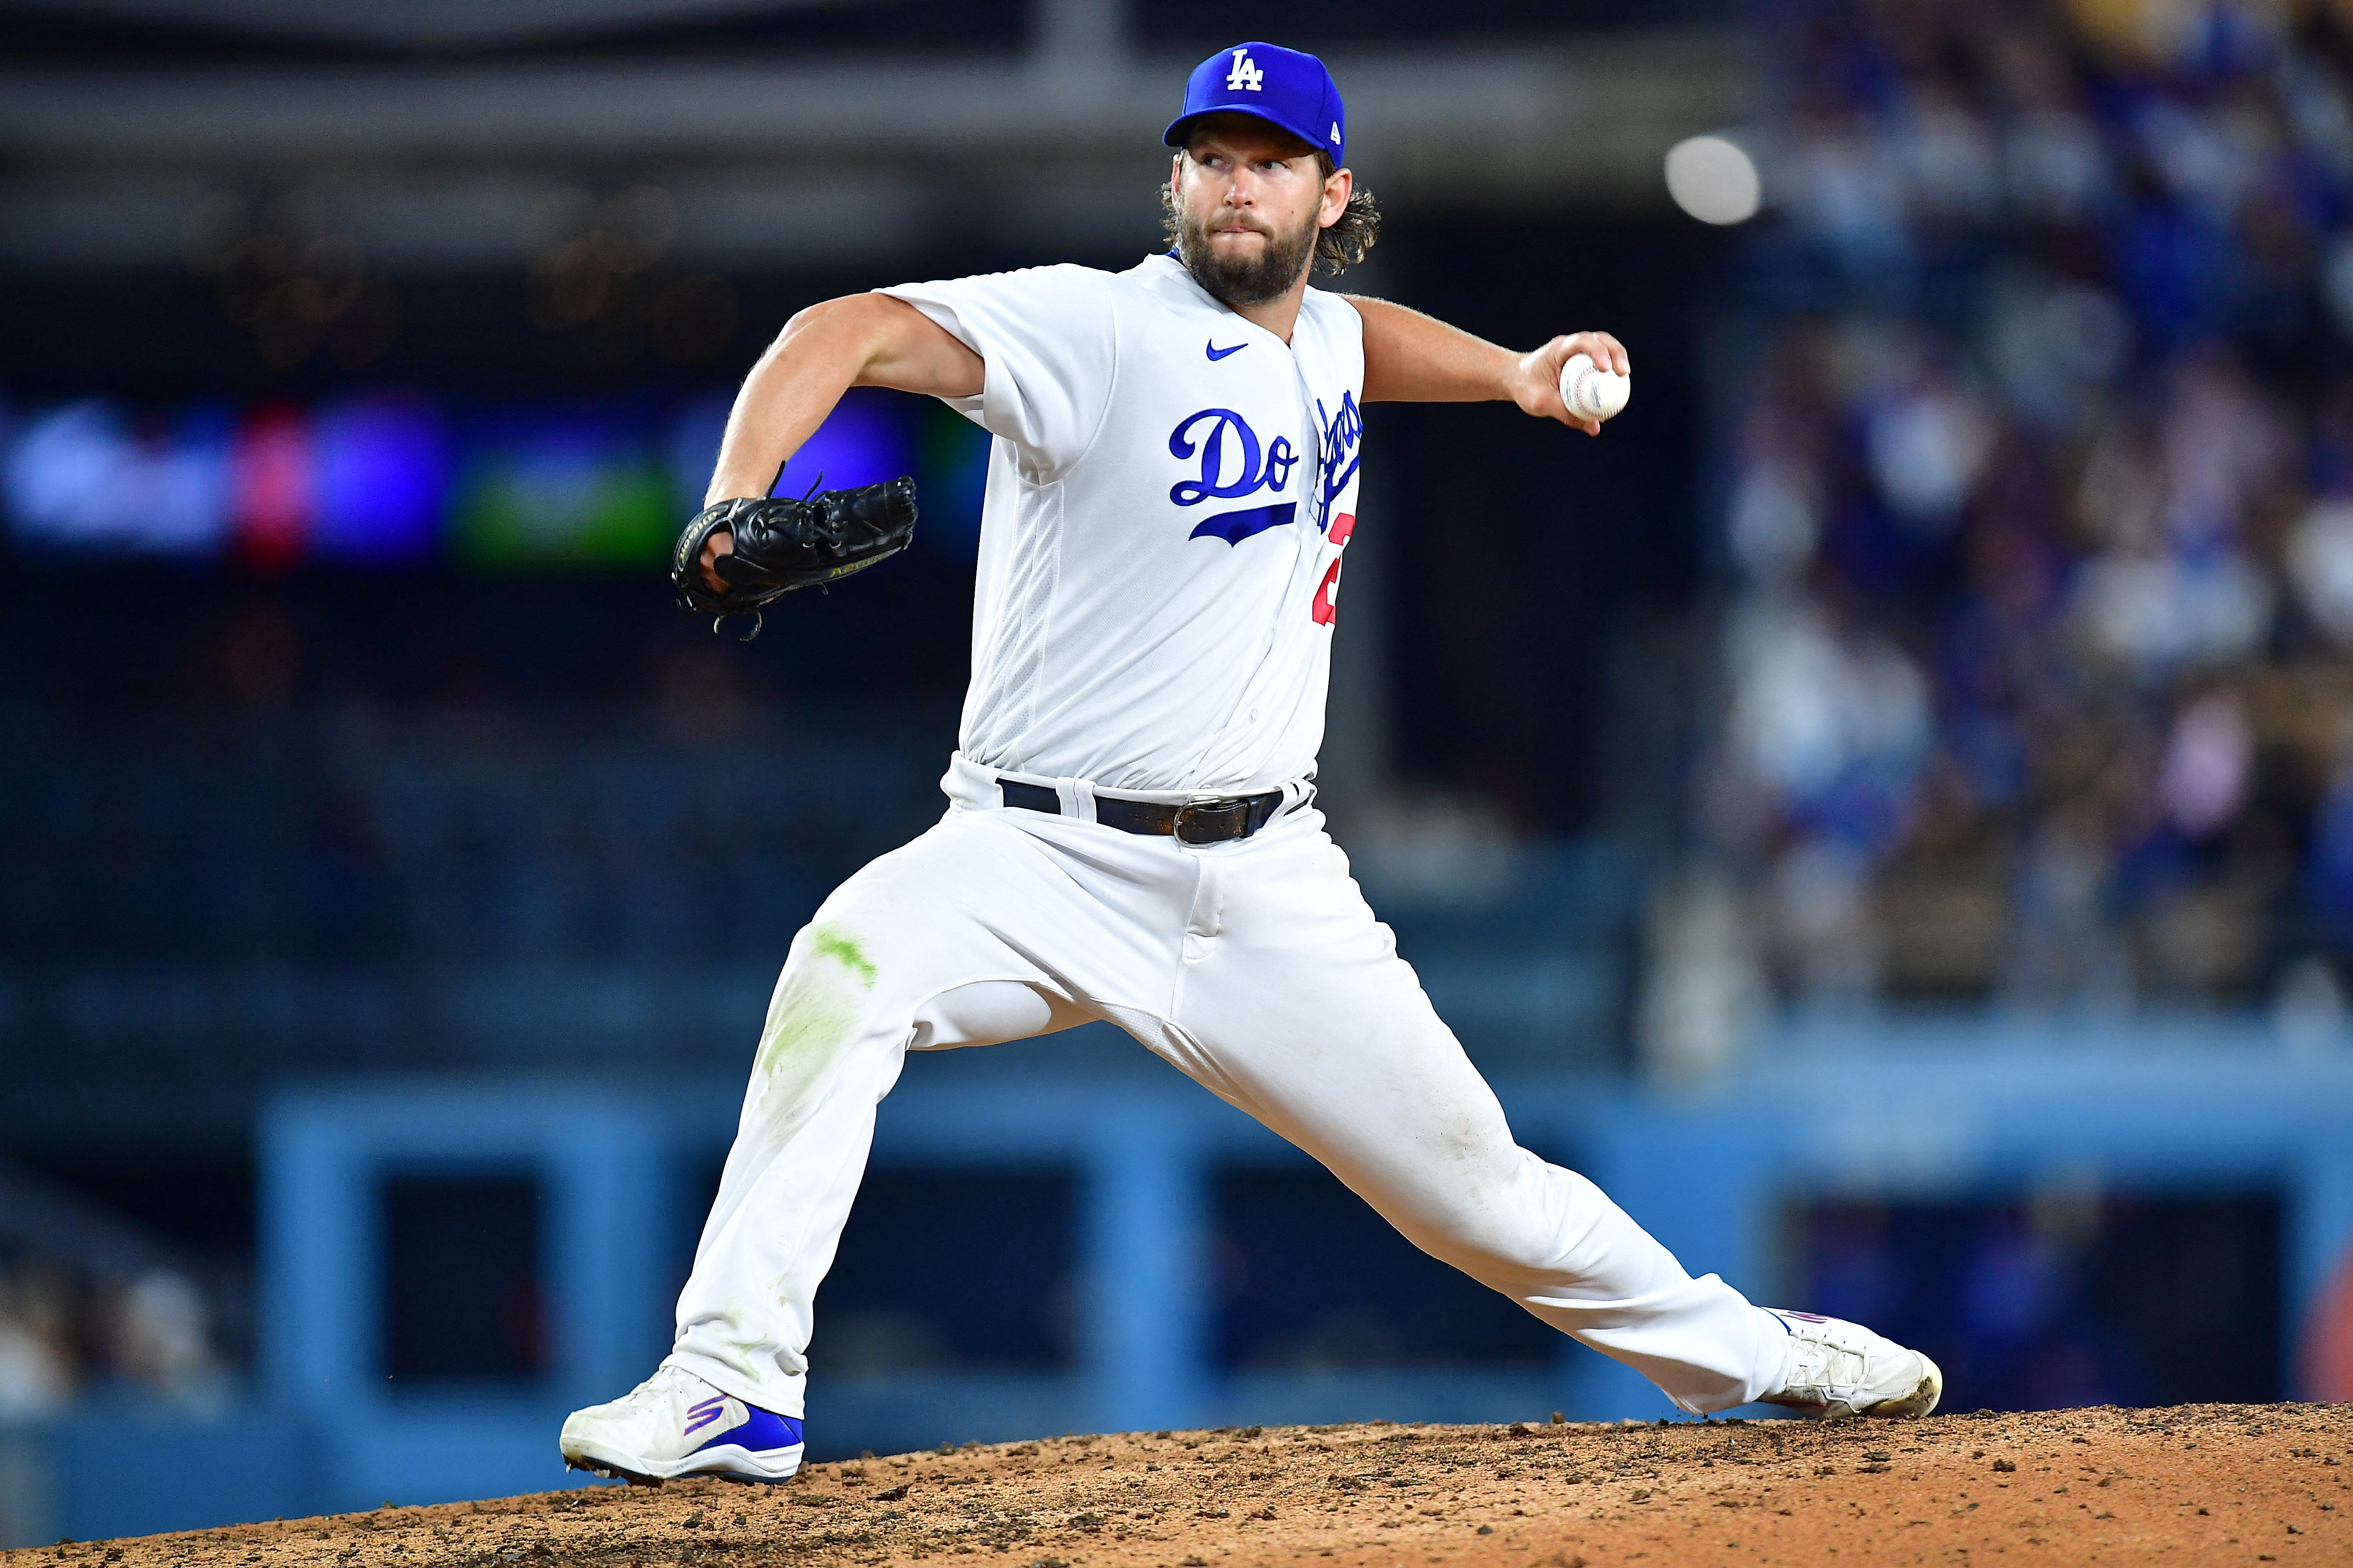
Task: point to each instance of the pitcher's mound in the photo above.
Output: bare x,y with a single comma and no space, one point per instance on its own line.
2195,1485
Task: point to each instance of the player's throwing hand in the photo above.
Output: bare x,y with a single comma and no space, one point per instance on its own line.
1536,388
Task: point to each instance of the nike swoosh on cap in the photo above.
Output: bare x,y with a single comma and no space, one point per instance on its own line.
1218,354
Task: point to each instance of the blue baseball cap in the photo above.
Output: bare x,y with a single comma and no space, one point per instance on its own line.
1282,87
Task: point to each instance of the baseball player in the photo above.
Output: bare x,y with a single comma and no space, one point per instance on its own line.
1132,832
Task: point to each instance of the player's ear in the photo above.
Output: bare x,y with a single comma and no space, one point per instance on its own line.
1338,188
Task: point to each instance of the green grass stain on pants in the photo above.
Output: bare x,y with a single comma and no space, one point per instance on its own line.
814,1014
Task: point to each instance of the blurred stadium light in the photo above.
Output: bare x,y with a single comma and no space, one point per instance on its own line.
1714,179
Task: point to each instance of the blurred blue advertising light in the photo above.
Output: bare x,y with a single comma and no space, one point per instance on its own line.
864,441
384,475
384,479
82,476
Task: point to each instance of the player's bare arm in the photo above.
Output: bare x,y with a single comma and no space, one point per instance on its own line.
1413,358
860,340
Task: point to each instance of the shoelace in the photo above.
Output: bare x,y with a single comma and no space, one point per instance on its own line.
1818,1360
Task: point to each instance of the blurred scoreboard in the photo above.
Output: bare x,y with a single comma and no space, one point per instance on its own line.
401,478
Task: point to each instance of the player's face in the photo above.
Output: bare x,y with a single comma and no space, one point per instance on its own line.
1249,200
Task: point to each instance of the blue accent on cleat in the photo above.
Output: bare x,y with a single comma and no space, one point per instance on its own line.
765,1432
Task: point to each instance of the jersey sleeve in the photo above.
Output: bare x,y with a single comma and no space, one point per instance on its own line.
1048,339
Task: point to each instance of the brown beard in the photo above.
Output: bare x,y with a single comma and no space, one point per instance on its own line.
1282,263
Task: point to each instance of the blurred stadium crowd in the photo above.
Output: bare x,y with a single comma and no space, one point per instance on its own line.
2038,632
93,1306
63,1336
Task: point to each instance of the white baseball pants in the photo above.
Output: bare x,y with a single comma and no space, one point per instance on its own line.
1256,968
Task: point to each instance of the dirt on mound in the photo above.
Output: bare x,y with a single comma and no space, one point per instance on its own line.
2197,1484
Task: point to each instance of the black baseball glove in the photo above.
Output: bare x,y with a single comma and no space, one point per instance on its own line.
782,545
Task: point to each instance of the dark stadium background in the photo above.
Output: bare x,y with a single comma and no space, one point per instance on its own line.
488,817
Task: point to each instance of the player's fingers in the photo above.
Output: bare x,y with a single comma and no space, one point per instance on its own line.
1539,392
1604,350
1557,355
717,544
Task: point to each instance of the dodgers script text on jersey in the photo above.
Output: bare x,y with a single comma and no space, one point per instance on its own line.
1169,492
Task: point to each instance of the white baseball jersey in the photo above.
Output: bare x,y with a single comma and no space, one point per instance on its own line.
1169,491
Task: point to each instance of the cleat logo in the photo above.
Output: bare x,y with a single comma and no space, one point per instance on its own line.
703,1415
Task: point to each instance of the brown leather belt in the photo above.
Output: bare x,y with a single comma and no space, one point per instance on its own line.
1203,822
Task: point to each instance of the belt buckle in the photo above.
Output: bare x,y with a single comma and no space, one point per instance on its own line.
1213,821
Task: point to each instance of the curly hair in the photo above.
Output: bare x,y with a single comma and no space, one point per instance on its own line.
1337,247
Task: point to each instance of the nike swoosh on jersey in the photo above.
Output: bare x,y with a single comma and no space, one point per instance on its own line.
1233,527
1217,354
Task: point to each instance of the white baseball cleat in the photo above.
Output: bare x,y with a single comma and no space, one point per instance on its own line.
673,1425
1838,1368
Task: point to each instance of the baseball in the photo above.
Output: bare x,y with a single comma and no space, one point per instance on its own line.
1590,392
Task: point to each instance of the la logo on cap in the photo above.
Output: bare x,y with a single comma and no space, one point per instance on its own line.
1282,87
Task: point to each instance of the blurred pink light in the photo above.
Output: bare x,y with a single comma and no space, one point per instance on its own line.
272,486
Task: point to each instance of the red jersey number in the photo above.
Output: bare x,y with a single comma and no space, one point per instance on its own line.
1326,606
